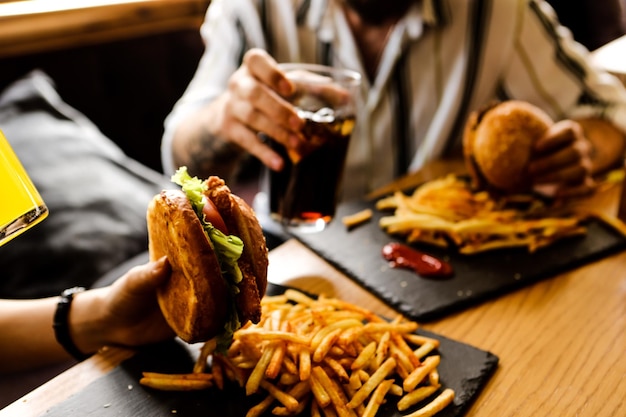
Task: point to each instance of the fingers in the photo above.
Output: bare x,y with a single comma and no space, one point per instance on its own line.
258,147
571,174
255,103
266,90
559,135
149,276
314,85
260,109
562,156
265,69
567,165
130,314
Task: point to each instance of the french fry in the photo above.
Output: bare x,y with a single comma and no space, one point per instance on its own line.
382,348
377,378
403,347
176,383
337,397
404,366
447,210
325,345
190,376
289,365
406,327
205,351
298,297
304,369
355,219
364,357
282,411
433,377
255,378
363,376
287,400
419,340
339,371
396,390
319,391
274,335
276,361
420,372
435,406
323,355
377,398
299,391
415,396
234,373
354,381
424,350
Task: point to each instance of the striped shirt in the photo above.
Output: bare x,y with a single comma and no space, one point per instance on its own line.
442,60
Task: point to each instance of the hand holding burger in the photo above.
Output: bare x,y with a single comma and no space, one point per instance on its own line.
562,158
218,257
514,147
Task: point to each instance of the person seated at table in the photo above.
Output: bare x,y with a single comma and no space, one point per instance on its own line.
426,64
125,313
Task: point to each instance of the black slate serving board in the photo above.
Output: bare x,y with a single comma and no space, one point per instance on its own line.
463,368
478,277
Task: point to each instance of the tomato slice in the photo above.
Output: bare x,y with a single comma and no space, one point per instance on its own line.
213,216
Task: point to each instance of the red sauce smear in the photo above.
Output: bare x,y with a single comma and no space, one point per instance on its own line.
403,256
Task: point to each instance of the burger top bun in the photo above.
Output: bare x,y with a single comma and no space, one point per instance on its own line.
498,141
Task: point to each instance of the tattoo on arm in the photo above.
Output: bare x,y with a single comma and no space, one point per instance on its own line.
211,156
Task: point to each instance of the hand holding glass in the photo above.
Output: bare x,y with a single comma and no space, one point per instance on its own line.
22,207
305,193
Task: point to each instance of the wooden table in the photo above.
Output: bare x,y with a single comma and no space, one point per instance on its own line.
561,342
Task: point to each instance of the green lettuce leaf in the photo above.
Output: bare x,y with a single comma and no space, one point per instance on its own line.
193,187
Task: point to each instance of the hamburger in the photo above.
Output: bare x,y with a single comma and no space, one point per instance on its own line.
498,143
218,256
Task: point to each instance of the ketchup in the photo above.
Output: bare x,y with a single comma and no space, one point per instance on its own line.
403,256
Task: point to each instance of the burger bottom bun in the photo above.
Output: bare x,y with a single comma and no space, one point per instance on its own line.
195,300
499,141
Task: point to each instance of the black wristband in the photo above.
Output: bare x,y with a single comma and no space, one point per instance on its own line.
60,323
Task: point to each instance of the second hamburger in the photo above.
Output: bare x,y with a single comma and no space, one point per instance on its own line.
498,143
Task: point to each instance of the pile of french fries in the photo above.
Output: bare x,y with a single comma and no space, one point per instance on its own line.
324,356
446,212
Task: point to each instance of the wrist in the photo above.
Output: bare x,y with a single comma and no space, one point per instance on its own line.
63,332
85,322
